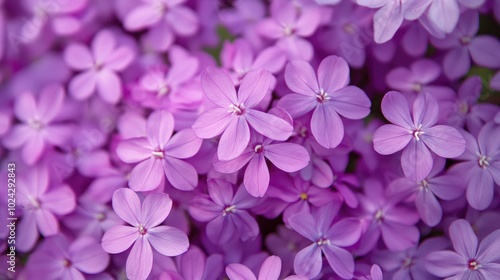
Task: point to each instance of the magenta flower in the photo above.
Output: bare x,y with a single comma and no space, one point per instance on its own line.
38,125
100,65
391,13
327,94
270,270
288,157
159,154
57,258
41,206
235,113
326,238
226,214
416,134
470,260
144,231
481,166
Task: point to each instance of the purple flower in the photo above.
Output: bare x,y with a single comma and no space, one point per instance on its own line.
391,14
326,238
225,212
446,187
481,167
159,154
164,18
415,134
463,44
99,65
288,24
41,205
234,112
444,15
327,94
468,261
289,157
57,258
144,231
38,125
270,270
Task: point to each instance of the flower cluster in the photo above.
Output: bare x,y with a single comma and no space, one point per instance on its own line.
251,139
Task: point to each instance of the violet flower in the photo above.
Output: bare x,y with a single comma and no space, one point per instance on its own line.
327,94
159,154
144,230
416,134
270,270
234,112
470,260
326,238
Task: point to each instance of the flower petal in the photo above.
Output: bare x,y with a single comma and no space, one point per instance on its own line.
300,78
333,73
119,238
168,241
141,17
234,140
390,138
159,128
78,57
396,110
480,189
444,140
340,260
218,87
351,102
254,86
445,263
289,157
256,178
147,175
140,260
212,123
416,161
236,271
327,127
127,206
308,261
134,150
269,125
297,105
180,174
83,85
184,144
155,209
270,269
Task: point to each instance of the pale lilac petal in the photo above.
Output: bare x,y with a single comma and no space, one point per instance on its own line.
270,269
297,105
220,230
490,270
236,271
444,140
17,136
416,161
234,140
159,128
296,48
463,238
345,233
180,174
168,241
46,222
33,149
428,207
58,135
444,14
60,201
159,37
120,58
489,249
396,110
300,78
134,150
183,20
103,45
192,264
212,123
333,74
27,232
246,225
140,260
425,110
254,87
83,85
399,237
351,102
387,21
480,189
269,125
220,191
218,87
88,256
373,3
272,59
308,261
390,138
49,102
445,263
184,144
325,116
456,63
141,17
305,225
25,107
308,21
236,164
256,178
147,175
340,260
288,157
78,57
155,209
483,51
448,187
127,206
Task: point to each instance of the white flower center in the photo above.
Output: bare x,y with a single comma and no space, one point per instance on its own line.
323,241
417,132
483,161
322,96
158,154
258,149
142,230
473,265
228,209
237,109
